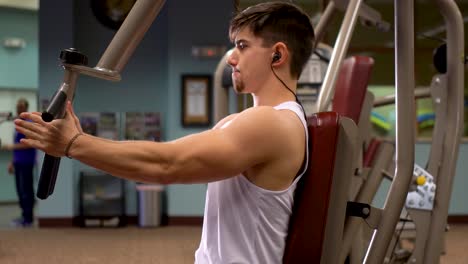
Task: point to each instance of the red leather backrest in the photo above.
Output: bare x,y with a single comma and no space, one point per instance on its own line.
312,196
351,86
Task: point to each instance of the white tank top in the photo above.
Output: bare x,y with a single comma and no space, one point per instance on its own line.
244,223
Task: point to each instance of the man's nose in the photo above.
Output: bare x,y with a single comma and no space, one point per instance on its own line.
232,59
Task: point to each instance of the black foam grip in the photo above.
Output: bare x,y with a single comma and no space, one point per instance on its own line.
50,166
48,176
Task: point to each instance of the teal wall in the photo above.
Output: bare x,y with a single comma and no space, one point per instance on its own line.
18,72
18,67
191,23
144,84
7,181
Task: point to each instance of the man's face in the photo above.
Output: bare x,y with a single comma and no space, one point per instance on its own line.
21,107
250,62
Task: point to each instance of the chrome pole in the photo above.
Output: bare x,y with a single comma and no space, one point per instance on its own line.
405,132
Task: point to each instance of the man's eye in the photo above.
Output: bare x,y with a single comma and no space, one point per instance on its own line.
241,45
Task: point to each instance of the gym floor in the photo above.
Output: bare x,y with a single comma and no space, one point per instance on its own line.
164,245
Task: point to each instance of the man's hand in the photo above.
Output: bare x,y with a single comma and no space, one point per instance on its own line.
52,137
11,168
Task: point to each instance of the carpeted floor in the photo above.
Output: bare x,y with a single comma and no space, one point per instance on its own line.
163,245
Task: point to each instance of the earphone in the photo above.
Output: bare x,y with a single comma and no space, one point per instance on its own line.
276,57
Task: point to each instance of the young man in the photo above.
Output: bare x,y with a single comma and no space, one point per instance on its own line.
22,165
252,160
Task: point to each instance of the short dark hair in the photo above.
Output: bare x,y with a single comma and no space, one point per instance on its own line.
279,22
24,102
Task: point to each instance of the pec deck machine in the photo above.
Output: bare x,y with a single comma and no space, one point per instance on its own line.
333,220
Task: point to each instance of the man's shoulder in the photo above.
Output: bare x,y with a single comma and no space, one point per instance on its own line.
261,112
258,116
269,115
264,120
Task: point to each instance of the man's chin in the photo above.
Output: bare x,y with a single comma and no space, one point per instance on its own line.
239,89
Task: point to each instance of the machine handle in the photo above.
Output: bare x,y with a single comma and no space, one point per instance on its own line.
51,164
48,176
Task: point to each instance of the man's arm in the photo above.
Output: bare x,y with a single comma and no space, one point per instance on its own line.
10,147
216,154
16,146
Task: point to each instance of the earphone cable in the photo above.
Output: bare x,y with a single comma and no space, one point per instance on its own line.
295,95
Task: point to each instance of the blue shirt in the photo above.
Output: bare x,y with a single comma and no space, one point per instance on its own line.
23,156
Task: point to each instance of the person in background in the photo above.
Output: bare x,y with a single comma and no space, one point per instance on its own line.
22,166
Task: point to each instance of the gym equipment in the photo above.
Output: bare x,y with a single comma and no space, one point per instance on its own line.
375,162
109,67
320,198
405,82
382,220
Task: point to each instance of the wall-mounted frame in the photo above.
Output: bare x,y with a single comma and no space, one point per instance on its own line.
196,100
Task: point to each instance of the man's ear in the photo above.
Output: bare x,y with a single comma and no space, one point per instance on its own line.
280,53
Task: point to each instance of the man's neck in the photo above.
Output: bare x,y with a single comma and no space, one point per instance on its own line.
275,93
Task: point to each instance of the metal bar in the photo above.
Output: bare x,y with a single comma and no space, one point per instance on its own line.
455,78
55,110
421,220
69,83
324,22
100,73
405,134
390,99
130,34
339,51
365,195
220,94
369,16
439,101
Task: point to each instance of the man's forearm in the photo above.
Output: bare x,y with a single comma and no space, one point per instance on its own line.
19,146
133,160
16,146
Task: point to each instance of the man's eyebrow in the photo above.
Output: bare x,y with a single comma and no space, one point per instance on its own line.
241,40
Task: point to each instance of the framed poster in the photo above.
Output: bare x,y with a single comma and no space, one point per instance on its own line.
196,100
